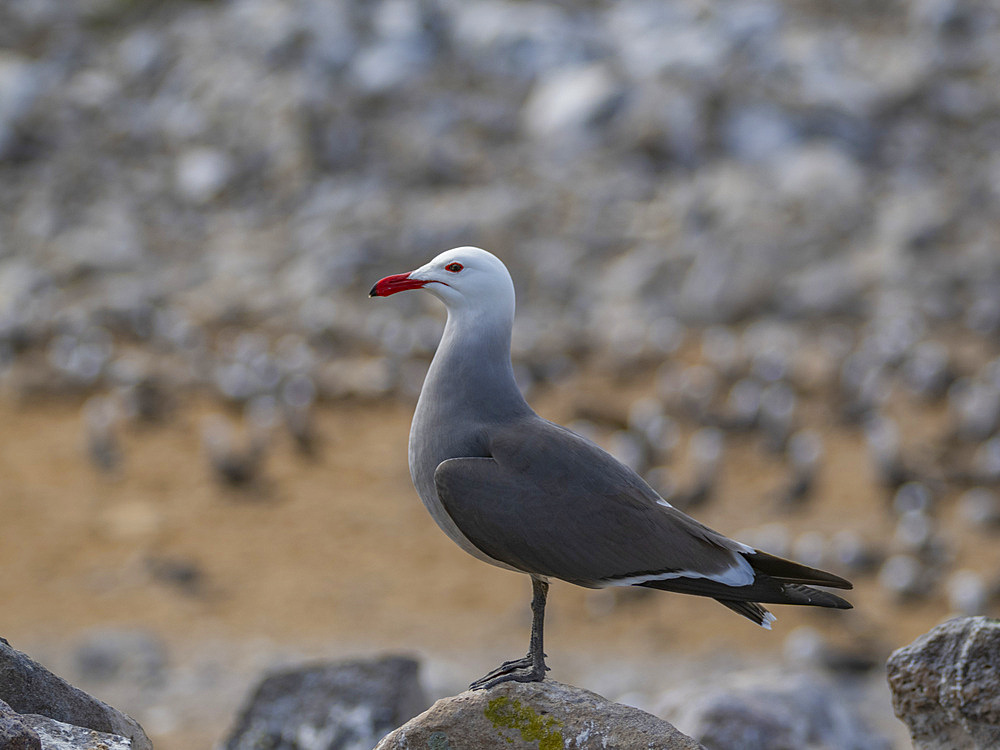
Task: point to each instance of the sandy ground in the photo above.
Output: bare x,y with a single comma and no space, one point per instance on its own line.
337,557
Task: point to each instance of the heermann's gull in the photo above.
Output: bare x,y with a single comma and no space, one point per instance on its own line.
520,492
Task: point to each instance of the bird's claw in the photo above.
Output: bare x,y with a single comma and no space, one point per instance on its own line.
530,674
516,670
506,668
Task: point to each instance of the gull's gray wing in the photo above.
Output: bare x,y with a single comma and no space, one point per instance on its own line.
552,503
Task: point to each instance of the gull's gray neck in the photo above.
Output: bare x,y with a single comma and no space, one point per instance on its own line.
469,387
471,374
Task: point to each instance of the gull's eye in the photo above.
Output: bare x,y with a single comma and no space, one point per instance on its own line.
454,267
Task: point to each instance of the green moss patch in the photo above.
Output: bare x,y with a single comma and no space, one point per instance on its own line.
507,713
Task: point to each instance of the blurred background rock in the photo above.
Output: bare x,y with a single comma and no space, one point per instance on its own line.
756,253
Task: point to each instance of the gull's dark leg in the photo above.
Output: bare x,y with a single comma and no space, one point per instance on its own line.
532,667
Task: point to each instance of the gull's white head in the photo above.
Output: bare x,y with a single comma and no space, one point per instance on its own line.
464,278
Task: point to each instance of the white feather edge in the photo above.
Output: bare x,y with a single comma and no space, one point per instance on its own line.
739,573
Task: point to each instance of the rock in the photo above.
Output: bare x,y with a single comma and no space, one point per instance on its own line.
20,84
655,39
347,706
386,66
975,407
201,174
518,38
912,496
758,134
979,507
967,592
538,715
771,712
903,576
927,369
820,179
30,688
56,735
570,100
15,733
130,655
986,460
855,554
945,686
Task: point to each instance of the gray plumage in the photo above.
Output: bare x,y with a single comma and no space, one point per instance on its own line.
518,491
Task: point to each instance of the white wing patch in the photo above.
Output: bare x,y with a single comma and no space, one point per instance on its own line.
746,549
739,573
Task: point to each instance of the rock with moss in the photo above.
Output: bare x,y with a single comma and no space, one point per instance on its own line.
540,716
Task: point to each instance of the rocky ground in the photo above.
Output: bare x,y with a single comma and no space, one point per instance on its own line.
755,250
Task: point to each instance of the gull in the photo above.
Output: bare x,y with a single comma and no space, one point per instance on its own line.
523,493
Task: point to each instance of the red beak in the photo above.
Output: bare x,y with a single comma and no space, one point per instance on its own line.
392,284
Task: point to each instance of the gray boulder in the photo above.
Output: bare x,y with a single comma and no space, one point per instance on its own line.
769,711
15,734
945,685
537,716
29,688
56,735
341,706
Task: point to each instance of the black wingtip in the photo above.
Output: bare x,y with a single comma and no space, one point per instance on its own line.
798,593
793,572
